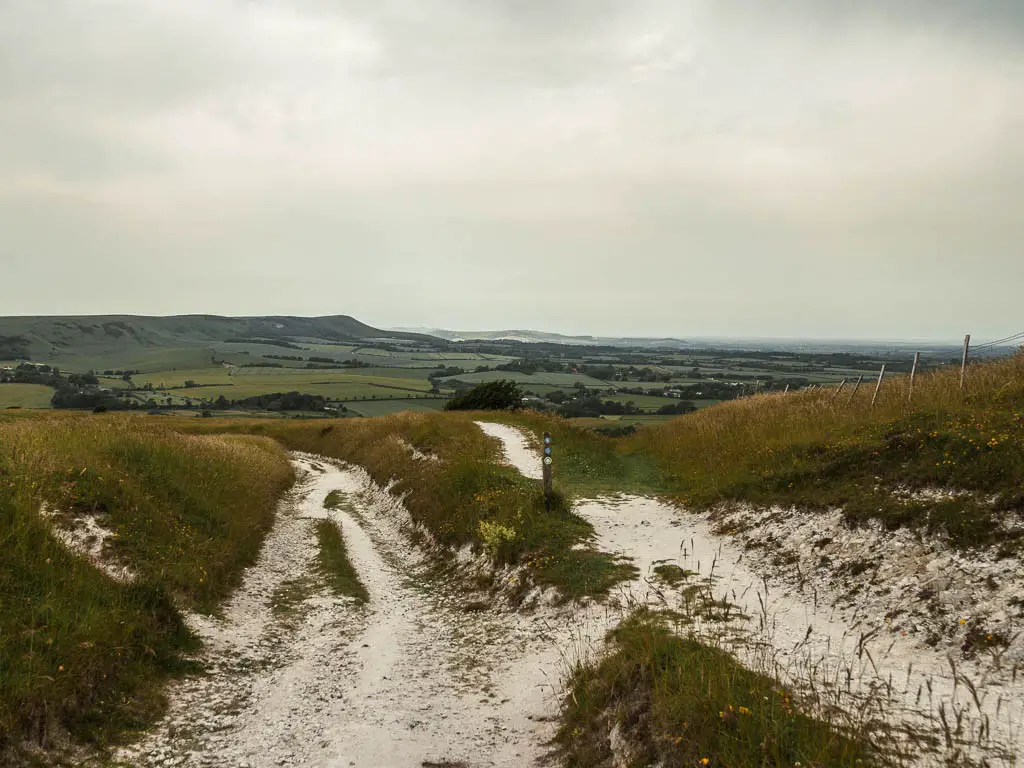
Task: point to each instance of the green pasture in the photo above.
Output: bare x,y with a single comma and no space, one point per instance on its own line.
644,402
25,396
370,408
131,358
333,388
562,380
176,378
392,373
621,421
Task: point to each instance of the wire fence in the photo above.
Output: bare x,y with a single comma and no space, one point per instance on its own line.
1015,339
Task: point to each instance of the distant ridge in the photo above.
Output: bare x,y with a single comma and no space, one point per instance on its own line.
544,337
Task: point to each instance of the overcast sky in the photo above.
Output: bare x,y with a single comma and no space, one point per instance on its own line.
811,168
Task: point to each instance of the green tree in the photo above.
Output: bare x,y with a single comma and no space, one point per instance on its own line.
499,395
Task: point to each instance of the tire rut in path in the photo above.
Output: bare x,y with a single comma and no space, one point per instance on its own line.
410,677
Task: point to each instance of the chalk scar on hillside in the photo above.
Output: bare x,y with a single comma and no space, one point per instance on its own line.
87,538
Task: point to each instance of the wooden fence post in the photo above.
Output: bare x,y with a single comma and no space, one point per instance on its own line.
839,389
913,373
878,386
963,363
855,388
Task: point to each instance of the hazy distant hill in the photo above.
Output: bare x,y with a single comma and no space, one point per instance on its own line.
537,337
122,340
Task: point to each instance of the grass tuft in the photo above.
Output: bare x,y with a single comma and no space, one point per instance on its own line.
334,564
677,702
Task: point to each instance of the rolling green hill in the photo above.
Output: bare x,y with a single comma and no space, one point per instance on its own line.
161,343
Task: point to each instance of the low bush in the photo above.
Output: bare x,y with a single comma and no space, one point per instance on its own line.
490,396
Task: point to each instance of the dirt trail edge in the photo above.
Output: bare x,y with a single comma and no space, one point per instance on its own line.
411,678
805,632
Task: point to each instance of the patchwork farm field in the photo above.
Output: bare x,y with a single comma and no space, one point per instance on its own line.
330,384
196,363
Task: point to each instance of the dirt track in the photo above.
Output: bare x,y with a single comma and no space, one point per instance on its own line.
410,678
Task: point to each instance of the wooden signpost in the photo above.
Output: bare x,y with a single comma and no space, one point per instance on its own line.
546,470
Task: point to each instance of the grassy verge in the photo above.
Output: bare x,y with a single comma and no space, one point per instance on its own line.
334,564
587,463
464,497
815,449
81,653
682,703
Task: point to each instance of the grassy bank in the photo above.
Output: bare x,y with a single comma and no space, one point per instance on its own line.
82,653
681,703
818,449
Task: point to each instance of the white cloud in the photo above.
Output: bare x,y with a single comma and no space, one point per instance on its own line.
481,163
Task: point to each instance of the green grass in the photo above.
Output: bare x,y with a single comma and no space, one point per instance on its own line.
80,653
566,380
334,564
814,450
644,402
672,574
131,357
681,703
25,396
290,595
332,384
210,374
586,463
371,408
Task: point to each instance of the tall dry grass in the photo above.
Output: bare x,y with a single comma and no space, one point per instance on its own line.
821,448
